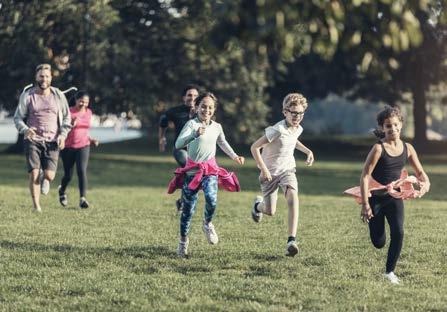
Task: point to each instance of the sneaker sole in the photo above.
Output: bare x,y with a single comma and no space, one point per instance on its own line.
292,251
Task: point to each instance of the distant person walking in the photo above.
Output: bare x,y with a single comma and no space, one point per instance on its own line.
200,135
77,148
384,165
47,116
178,115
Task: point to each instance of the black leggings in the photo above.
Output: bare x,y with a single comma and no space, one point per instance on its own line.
70,156
393,210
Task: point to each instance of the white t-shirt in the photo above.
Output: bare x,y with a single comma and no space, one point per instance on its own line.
278,154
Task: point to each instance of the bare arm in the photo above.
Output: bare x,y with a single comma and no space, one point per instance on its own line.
256,152
417,167
302,148
368,167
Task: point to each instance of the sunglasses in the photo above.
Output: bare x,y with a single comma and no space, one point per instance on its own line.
295,114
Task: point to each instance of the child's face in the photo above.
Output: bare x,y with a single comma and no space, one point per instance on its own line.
294,115
206,109
82,102
392,127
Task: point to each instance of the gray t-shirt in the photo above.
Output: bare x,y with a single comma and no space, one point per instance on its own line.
278,154
202,148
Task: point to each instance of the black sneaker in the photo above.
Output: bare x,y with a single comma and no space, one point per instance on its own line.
63,199
179,205
83,203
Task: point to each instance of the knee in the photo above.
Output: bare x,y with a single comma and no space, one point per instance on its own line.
397,234
378,243
49,175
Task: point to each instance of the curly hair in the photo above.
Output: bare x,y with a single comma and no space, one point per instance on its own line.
387,112
294,99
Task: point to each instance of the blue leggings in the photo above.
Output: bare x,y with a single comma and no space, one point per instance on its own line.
189,198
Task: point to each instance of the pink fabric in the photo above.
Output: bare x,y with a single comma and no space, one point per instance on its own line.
405,184
226,180
43,112
79,134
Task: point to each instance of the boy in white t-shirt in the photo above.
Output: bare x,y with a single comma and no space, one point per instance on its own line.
277,165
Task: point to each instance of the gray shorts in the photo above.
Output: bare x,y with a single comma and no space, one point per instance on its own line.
41,155
285,180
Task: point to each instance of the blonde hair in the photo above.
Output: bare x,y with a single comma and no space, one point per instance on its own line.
43,67
294,99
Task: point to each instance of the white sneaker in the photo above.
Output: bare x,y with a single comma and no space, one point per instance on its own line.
257,216
182,250
44,183
292,249
37,210
210,233
392,278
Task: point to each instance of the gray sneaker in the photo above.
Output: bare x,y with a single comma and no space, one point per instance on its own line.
257,216
210,233
292,249
44,183
182,249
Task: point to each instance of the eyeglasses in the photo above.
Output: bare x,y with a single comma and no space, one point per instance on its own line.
295,114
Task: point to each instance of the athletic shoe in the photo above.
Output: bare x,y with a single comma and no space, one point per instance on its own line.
179,205
83,203
257,216
210,233
392,278
63,199
37,210
292,249
182,250
44,183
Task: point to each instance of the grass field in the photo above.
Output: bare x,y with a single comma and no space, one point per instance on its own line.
120,254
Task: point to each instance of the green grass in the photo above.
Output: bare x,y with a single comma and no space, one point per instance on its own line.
120,254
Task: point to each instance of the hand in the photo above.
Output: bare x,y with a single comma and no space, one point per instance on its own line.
30,133
200,131
94,142
74,122
239,159
61,142
265,174
424,187
162,144
310,159
366,213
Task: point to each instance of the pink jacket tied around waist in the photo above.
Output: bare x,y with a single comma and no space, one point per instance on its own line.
226,180
401,188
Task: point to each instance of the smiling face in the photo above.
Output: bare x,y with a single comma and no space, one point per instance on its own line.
190,96
206,109
43,79
392,127
294,115
82,102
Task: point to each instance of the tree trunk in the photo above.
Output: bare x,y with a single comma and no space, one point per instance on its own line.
419,108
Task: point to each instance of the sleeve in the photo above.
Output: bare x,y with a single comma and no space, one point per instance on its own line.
164,119
66,116
186,136
272,133
223,144
21,113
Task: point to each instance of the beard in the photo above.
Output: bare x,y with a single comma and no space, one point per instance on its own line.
42,85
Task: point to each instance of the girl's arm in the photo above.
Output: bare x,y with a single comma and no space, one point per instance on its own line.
417,167
256,152
227,149
302,148
186,136
368,167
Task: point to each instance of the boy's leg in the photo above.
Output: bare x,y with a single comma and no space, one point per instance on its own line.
189,199
293,205
289,184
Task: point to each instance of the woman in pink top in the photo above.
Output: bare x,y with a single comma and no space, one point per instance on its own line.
77,148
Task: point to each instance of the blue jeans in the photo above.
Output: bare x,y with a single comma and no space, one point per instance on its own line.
189,197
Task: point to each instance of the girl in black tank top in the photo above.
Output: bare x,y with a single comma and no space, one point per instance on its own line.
386,168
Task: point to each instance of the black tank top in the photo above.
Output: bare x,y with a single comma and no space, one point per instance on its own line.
389,168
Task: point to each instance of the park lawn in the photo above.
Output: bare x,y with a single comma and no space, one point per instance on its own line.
120,254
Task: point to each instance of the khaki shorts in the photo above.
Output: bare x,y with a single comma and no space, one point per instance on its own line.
285,180
41,155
